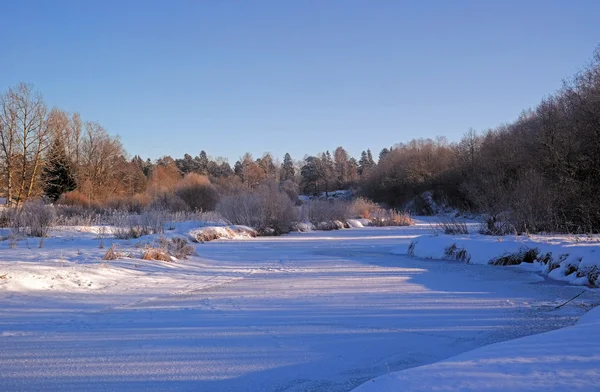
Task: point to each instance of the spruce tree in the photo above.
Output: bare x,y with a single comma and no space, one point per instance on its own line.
287,168
57,176
383,154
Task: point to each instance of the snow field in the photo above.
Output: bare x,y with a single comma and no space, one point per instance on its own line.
317,311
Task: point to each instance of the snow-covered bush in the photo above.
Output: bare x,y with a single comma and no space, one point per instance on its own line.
177,247
34,219
211,233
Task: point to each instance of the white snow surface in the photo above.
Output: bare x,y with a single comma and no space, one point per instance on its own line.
566,359
318,311
580,253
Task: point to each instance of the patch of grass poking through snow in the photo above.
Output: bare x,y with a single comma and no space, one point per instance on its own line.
453,252
112,253
451,227
523,256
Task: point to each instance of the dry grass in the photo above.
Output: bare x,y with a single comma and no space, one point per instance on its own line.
451,227
180,249
392,218
158,254
364,208
112,253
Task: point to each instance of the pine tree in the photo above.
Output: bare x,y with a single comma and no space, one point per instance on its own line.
57,176
383,154
370,158
363,163
366,162
288,172
238,169
202,162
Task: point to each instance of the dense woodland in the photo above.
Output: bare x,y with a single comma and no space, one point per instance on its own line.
538,173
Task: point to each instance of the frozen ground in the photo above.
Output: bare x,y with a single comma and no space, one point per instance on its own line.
306,312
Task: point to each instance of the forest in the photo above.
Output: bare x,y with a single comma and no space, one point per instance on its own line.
538,173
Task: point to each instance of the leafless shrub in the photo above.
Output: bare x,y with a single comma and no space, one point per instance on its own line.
451,226
135,226
133,205
34,219
265,209
364,208
320,211
75,215
166,201
291,189
497,225
197,192
180,248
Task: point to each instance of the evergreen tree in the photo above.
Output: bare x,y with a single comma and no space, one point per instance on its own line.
340,157
310,174
186,165
288,172
365,163
383,154
202,162
370,158
57,176
238,169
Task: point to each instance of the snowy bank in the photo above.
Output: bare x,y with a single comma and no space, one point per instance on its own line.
560,257
210,233
563,360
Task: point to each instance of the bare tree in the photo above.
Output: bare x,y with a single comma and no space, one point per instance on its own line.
24,139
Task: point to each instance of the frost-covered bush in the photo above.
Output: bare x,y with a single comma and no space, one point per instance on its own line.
34,219
364,208
392,218
327,211
135,226
268,210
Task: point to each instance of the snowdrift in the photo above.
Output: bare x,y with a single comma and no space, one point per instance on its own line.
210,233
563,258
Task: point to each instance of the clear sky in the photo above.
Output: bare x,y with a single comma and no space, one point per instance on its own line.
295,76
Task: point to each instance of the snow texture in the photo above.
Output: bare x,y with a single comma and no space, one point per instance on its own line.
568,258
563,360
317,311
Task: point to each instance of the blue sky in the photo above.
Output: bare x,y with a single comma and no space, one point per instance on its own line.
295,76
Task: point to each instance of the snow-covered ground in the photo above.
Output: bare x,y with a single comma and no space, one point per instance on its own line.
566,359
318,311
569,258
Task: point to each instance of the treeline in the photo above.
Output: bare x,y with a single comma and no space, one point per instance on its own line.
60,157
539,173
